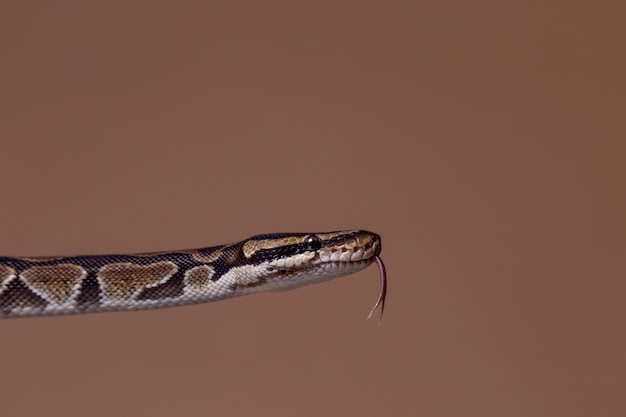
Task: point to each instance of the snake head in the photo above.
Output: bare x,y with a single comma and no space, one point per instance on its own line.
295,260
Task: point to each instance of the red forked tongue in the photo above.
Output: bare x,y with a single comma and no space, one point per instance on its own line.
383,289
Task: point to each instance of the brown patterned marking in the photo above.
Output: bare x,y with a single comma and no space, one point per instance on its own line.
205,256
199,278
364,240
231,255
328,236
199,255
17,295
350,243
251,246
171,288
89,293
55,282
6,273
122,281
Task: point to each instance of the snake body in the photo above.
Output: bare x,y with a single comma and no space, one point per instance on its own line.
93,283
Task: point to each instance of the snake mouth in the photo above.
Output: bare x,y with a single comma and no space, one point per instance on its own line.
352,247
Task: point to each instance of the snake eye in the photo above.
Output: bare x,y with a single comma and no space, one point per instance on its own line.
313,243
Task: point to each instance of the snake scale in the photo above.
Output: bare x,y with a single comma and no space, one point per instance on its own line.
272,262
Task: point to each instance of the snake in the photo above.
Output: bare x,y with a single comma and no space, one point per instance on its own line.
46,286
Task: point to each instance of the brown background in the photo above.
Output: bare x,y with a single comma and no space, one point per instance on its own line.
485,143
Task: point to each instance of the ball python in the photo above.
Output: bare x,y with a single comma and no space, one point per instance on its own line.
42,286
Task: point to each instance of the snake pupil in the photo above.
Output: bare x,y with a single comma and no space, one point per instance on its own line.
313,243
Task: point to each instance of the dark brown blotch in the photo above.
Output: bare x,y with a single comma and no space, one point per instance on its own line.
17,295
230,257
206,255
122,281
198,279
89,293
172,287
55,282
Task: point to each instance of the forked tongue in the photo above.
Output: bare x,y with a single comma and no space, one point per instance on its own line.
383,289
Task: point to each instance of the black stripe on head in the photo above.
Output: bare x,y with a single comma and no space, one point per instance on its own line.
262,255
341,239
283,251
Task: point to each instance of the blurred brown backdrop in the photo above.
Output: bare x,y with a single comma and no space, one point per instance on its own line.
484,142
